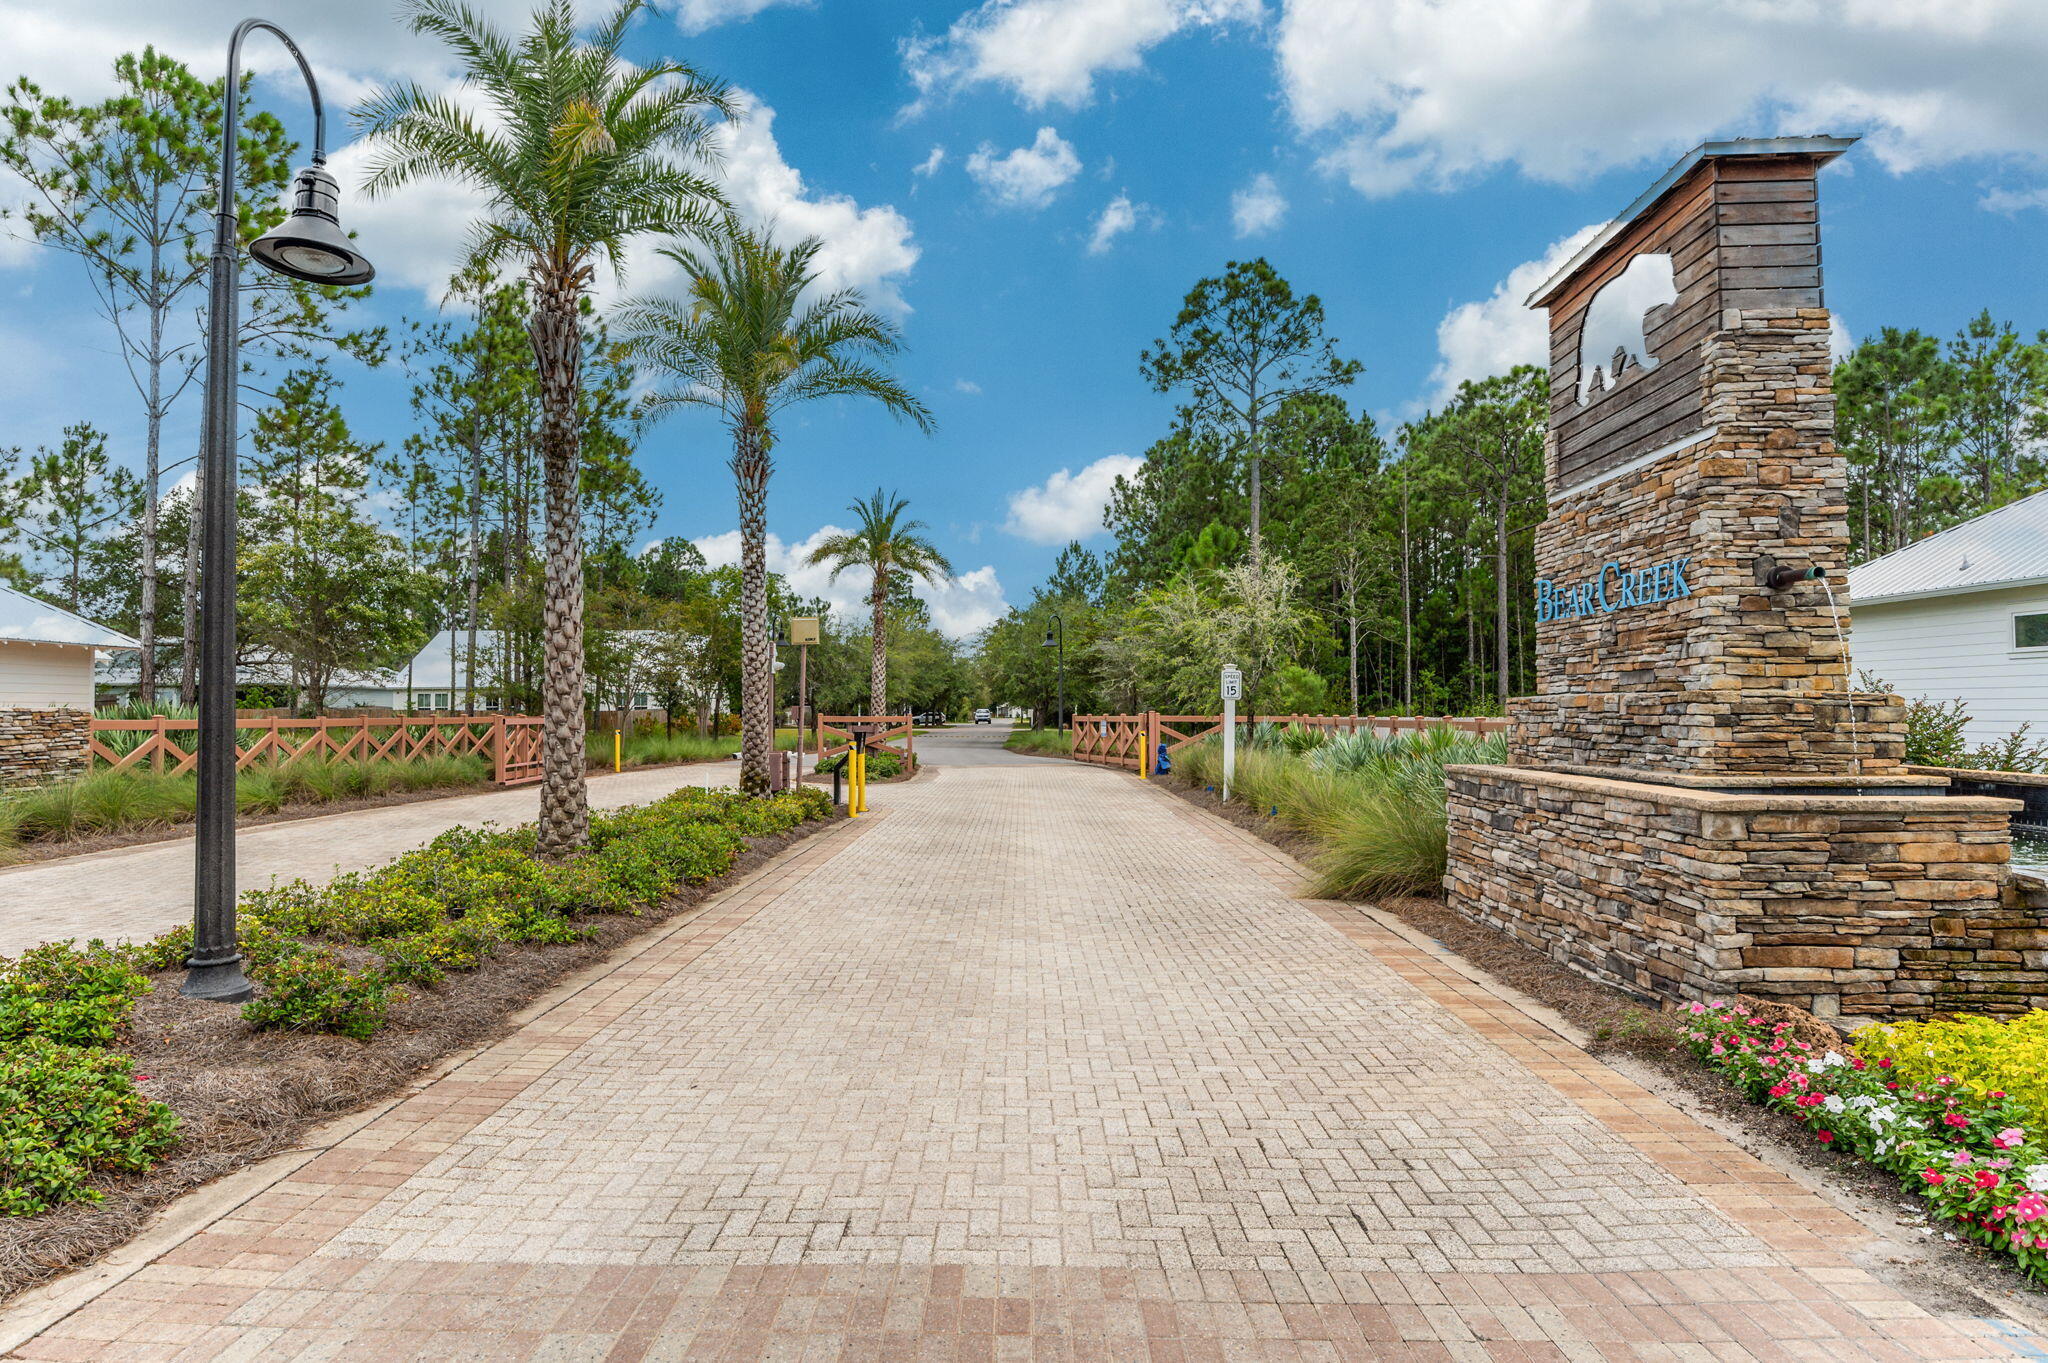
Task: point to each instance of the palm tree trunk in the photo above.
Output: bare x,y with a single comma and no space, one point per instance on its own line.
558,355
750,470
878,661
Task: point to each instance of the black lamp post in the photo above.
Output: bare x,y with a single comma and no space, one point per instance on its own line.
309,245
1061,625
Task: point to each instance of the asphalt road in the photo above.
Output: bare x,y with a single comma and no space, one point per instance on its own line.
974,745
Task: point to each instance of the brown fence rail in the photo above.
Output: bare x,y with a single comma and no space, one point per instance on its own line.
1123,740
510,743
835,735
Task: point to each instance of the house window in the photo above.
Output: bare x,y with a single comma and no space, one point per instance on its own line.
2030,631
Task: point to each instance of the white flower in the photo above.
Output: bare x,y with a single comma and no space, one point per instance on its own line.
1833,1103
2036,1178
1835,1060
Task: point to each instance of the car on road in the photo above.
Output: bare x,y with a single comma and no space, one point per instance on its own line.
983,717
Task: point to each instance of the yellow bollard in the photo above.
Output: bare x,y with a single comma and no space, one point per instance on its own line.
860,782
618,756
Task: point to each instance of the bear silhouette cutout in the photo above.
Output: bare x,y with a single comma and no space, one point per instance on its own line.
1612,335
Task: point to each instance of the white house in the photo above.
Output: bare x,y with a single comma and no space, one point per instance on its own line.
119,678
1963,614
46,654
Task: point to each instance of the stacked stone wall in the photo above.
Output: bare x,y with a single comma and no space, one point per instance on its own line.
1729,676
1860,906
41,746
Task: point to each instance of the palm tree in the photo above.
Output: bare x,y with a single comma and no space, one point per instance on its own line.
885,544
753,336
580,152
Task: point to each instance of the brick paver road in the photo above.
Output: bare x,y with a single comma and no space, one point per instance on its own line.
138,892
1034,1063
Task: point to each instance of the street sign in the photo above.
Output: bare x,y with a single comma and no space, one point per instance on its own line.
803,629
1233,689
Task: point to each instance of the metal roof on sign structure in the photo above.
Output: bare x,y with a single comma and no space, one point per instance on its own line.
2003,548
24,619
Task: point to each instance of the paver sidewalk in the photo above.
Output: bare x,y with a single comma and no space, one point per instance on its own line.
138,892
1034,1063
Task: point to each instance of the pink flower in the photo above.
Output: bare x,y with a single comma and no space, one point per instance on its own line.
1959,1159
1934,1176
1780,1090
2032,1207
1719,1049
2008,1138
1985,1179
1955,1119
1824,1136
1810,1099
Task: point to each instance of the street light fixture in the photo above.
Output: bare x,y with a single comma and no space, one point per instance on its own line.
308,245
1062,626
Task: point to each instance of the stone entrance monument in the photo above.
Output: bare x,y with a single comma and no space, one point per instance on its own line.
1698,805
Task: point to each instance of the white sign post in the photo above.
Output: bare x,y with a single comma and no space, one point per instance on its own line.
1233,687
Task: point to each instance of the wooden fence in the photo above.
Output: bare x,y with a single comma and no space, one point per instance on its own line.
1124,740
510,743
835,735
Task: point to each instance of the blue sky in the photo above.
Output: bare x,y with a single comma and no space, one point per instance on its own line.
1413,163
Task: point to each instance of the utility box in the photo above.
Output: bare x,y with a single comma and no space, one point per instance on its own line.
803,629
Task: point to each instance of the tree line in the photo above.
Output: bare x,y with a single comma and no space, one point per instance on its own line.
1346,568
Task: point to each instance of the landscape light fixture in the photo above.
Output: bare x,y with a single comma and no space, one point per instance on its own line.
308,245
1062,645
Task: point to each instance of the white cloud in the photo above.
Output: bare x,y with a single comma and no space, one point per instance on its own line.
968,604
1493,335
930,165
694,16
1028,177
1050,51
960,606
967,386
868,248
416,236
1068,505
1119,216
1404,93
2014,200
1258,207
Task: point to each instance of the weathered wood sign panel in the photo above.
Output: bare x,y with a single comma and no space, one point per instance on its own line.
1739,231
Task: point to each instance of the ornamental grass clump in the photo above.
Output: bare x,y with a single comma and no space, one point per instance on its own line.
1374,804
1977,1155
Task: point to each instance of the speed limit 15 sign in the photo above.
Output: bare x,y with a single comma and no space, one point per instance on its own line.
1233,683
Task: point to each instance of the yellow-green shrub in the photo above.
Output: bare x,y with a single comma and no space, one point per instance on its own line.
1981,1053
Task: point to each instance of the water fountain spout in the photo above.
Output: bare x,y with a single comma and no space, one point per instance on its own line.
1848,684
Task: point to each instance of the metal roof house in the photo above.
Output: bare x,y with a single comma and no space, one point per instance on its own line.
47,653
1963,614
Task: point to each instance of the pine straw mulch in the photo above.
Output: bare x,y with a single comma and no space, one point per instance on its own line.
242,1095
1953,1276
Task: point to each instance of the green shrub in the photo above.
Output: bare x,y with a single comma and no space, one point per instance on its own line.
314,989
881,765
70,995
167,951
1983,1054
446,906
66,1114
426,956
1049,741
